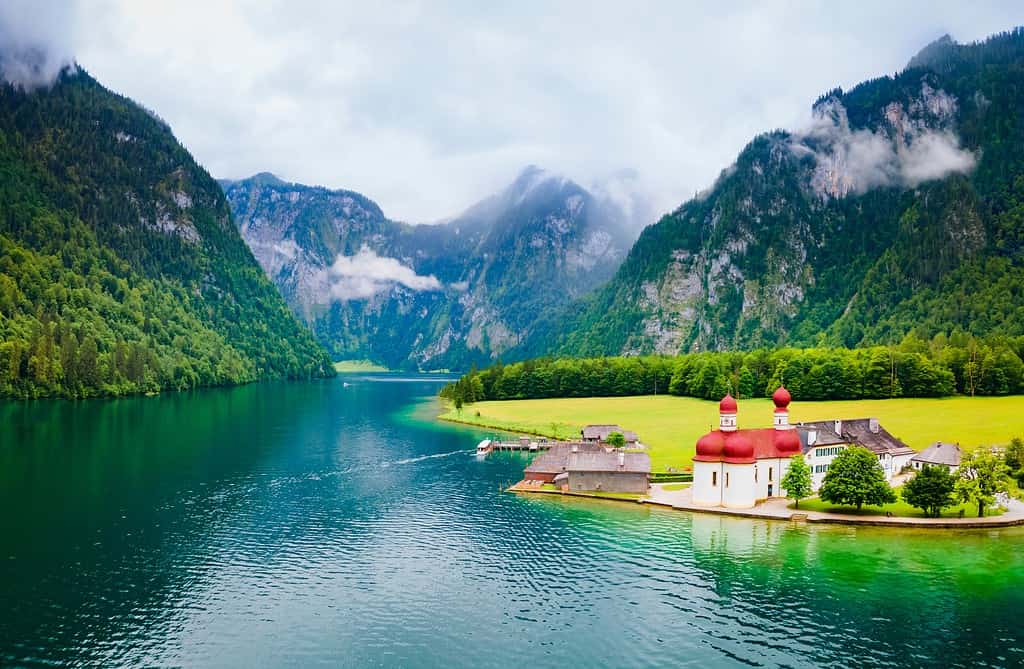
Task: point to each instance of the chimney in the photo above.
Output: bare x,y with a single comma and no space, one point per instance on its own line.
839,427
873,425
812,437
575,448
622,458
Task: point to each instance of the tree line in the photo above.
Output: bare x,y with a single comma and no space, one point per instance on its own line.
942,366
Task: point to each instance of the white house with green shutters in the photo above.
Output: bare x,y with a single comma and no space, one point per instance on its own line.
821,441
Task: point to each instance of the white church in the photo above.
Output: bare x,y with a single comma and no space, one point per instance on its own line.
736,468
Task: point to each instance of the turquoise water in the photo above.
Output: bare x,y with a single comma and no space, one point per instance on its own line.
314,524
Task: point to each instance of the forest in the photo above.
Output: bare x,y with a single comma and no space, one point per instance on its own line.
120,268
942,366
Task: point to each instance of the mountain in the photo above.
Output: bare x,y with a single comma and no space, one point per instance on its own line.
899,210
121,269
430,296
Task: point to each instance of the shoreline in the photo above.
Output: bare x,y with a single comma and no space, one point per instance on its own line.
768,511
670,425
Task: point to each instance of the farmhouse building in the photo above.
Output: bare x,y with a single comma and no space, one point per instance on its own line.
549,464
615,471
821,441
598,434
591,467
939,454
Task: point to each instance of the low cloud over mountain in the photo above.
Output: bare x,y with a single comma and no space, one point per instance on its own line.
365,274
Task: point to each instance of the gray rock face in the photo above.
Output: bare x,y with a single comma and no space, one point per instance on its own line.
429,296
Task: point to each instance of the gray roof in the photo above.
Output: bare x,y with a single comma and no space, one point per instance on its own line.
609,462
602,431
556,459
866,432
940,453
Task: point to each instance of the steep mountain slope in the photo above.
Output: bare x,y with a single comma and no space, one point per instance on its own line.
429,296
900,209
120,267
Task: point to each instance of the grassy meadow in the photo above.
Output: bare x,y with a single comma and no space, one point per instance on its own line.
898,508
670,425
358,367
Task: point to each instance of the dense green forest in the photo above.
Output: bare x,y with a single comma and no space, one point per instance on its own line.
914,368
121,270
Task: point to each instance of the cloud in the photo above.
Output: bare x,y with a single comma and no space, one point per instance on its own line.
35,42
286,248
365,274
933,156
427,107
911,147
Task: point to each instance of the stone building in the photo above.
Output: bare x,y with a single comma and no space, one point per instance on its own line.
615,471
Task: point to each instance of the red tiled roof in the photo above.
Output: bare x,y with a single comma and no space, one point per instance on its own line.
746,446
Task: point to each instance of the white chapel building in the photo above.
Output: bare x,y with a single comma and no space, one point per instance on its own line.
737,468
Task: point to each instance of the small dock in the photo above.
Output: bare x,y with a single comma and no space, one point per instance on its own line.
522,444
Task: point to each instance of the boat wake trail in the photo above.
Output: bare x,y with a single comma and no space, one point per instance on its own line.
409,461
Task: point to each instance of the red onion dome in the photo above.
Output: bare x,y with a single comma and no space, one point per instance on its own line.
727,405
781,397
787,442
710,445
738,446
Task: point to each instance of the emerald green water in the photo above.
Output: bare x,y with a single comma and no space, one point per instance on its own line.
313,524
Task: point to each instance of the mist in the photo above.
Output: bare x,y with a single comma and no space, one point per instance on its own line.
35,42
366,274
913,145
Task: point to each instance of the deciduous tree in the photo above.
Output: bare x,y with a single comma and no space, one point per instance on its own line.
797,480
931,490
982,475
855,478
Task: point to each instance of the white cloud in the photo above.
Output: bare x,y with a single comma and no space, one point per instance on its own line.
426,107
932,156
35,43
904,151
365,274
286,248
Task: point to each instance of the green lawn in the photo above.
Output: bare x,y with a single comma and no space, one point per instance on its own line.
670,487
358,367
899,508
670,426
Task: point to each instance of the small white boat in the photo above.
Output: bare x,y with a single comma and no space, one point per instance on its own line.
483,448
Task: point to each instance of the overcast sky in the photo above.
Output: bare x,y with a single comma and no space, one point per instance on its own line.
427,107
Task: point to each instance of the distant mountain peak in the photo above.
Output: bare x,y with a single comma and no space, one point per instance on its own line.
935,53
267,179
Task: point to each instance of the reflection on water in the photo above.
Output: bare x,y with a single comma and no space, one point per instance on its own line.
314,523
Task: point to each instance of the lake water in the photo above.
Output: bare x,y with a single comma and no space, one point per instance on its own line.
306,524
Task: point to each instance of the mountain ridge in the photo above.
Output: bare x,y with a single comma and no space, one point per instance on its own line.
498,265
122,270
857,230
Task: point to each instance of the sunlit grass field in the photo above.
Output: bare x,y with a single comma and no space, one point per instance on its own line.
670,426
897,508
358,367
